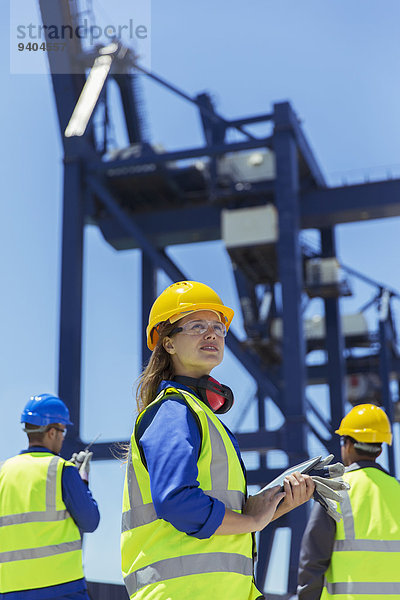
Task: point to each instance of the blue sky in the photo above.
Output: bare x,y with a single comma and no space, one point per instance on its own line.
337,63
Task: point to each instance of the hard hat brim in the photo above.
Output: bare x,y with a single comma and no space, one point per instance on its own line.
368,436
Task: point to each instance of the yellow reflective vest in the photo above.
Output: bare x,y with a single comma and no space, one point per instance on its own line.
365,563
161,563
40,544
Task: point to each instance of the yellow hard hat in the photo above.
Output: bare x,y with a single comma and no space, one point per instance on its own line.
367,423
180,299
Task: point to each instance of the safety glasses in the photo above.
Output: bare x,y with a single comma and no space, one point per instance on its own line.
200,327
64,431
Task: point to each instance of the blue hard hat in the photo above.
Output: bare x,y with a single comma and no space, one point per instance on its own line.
45,409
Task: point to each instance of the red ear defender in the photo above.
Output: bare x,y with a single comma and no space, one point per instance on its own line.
215,395
219,396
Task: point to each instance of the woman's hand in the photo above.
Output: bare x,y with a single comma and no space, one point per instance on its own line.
299,489
257,513
262,507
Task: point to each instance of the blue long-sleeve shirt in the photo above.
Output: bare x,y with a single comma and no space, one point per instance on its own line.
170,439
84,510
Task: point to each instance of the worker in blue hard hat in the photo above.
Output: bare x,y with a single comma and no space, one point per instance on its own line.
358,557
45,506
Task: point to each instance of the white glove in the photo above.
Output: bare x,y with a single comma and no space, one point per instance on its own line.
328,470
329,506
82,461
329,486
325,493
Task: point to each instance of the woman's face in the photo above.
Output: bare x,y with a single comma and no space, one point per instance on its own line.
195,355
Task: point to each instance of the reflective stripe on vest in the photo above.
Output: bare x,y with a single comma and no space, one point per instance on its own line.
47,540
367,546
28,553
141,514
156,554
369,587
34,517
48,515
195,564
348,519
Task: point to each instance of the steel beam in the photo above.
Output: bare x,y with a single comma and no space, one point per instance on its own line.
296,520
157,257
265,380
188,225
214,133
68,80
126,84
214,128
328,207
260,440
319,209
265,546
149,294
165,157
334,346
318,374
262,425
251,120
69,377
248,303
302,144
290,277
385,353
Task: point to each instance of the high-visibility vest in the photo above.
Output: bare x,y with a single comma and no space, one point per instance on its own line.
40,544
365,561
161,563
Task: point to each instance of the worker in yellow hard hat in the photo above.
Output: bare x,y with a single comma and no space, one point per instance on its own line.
360,556
187,523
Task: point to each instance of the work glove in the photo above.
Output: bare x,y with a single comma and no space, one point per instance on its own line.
328,487
329,506
328,470
82,461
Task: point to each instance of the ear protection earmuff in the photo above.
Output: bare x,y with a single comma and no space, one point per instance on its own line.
215,395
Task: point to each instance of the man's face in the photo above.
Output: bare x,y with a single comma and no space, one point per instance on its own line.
345,447
56,434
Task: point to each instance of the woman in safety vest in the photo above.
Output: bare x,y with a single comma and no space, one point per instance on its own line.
187,523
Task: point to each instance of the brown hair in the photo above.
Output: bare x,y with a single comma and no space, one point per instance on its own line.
36,438
159,367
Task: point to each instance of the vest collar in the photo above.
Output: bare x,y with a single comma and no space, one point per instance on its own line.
179,386
37,449
364,464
